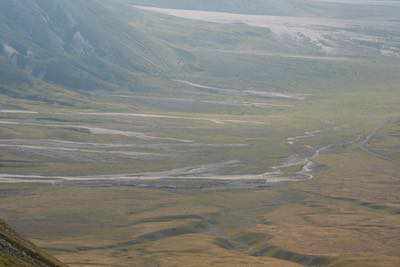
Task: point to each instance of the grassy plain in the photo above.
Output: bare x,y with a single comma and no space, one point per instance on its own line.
347,215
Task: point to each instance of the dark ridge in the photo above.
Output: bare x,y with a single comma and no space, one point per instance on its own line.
250,243
194,227
369,205
376,206
283,254
171,218
225,243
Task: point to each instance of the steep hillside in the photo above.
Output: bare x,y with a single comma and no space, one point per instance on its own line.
78,44
15,251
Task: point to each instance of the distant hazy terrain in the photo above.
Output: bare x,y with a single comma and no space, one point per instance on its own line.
202,133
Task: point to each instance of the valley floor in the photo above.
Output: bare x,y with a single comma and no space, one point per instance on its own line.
297,182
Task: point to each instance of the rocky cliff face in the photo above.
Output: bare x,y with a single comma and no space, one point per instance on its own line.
15,251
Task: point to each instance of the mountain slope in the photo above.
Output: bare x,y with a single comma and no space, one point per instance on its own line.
97,46
78,44
15,251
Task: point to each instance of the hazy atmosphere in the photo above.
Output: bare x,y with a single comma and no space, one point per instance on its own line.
199,133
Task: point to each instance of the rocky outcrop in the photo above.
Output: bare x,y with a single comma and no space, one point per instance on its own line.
16,251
